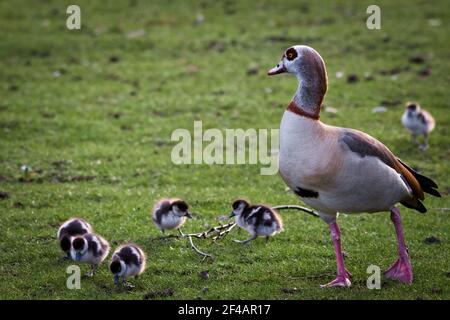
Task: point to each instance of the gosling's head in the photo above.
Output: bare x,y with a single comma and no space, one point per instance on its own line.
413,108
117,268
181,208
79,247
239,206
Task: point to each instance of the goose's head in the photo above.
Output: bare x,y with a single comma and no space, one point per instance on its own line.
309,68
290,62
303,61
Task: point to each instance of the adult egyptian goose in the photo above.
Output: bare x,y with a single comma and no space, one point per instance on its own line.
69,229
419,122
128,260
170,214
258,220
336,169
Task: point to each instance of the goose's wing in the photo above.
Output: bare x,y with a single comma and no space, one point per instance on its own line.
365,145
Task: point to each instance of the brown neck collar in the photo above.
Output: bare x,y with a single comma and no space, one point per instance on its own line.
293,107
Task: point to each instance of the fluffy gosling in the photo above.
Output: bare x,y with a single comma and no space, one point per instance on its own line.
258,220
69,229
128,260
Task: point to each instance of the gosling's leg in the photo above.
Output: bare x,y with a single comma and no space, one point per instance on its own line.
246,241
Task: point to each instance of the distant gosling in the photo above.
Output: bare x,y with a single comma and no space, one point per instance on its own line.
170,214
89,248
258,220
127,261
70,228
419,122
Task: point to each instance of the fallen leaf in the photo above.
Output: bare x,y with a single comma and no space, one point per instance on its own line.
424,72
18,205
432,239
199,19
379,109
417,59
352,78
436,290
114,59
135,34
331,110
204,274
4,195
434,22
159,293
289,290
192,69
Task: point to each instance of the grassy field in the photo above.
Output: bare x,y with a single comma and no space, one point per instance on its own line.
91,113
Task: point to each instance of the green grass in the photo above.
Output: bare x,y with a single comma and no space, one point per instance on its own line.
110,124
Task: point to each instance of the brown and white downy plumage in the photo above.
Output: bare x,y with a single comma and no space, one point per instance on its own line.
336,169
258,220
170,214
69,229
419,122
89,248
128,260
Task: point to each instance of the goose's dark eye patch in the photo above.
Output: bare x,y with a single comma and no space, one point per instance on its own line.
291,54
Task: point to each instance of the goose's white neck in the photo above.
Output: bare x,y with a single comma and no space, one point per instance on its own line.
312,77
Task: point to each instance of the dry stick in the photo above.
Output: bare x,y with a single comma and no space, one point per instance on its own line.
222,234
287,207
225,229
205,255
189,236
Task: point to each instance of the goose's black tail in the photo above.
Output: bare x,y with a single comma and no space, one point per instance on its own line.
427,185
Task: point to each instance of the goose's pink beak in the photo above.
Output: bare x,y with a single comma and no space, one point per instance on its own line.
279,68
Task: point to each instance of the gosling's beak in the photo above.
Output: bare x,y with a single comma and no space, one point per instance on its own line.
279,68
78,256
232,214
189,215
116,279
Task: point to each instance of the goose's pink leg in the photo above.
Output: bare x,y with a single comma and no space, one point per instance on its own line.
342,279
401,270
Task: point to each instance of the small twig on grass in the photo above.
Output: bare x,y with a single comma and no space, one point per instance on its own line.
227,229
205,255
221,231
288,207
